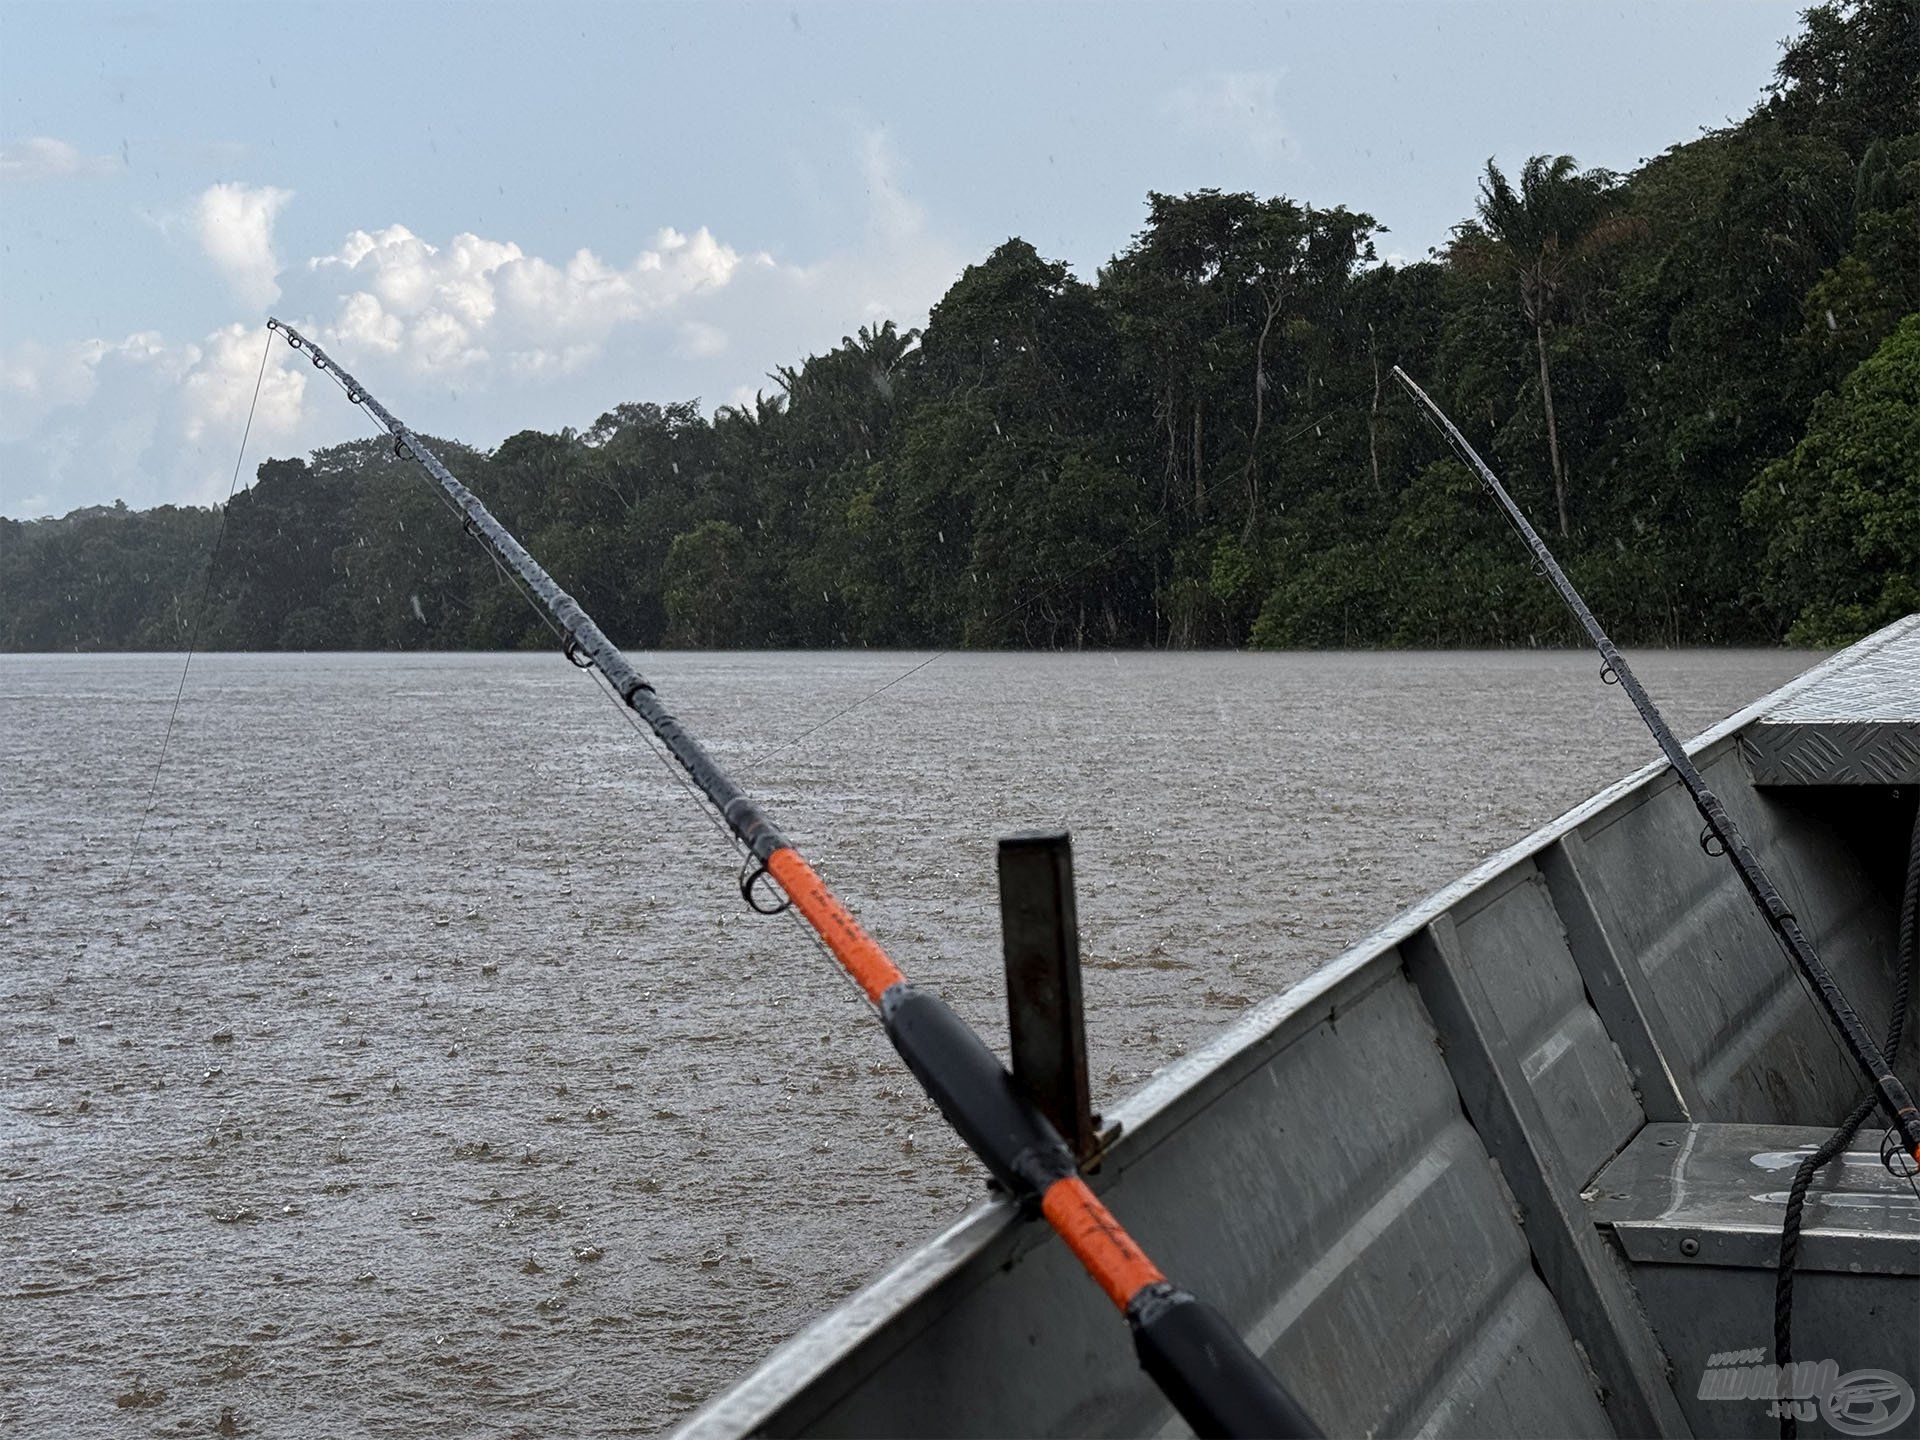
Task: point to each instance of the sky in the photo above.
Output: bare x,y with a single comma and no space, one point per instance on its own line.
512,216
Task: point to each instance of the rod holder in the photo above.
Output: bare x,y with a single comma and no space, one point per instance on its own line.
1040,938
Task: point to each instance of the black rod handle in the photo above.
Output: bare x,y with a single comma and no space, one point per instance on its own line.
1219,1386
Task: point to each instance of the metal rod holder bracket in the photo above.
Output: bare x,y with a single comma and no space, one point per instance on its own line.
1040,936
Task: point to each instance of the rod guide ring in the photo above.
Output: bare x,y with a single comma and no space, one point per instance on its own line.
751,873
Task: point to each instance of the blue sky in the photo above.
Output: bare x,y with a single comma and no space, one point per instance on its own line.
663,202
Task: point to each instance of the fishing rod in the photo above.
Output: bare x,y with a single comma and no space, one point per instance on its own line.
1219,1386
1719,830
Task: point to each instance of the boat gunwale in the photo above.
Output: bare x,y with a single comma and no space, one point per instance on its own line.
1159,1107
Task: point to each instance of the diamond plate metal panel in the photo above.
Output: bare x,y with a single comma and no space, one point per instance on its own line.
1865,753
1883,683
1313,1170
1858,724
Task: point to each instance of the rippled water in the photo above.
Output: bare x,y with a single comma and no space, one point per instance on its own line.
424,1075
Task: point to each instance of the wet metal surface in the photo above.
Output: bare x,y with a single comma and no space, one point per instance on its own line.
1696,1211
1221,1161
383,1097
1724,1188
1858,726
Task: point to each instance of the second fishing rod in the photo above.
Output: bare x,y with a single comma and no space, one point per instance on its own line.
1720,829
1219,1386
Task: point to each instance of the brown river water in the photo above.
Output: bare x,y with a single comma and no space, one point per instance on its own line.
423,1073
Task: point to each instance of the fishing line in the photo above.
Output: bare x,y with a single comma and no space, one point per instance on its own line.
355,398
747,766
706,809
647,737
193,634
653,748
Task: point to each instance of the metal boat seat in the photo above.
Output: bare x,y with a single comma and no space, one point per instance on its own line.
1695,1212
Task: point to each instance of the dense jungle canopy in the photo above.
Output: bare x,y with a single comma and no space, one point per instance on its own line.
1702,379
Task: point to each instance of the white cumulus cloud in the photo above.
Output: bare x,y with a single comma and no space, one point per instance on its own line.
468,335
701,341
456,306
42,157
217,390
234,224
139,419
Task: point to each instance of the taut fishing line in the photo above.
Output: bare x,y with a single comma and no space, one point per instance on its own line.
199,614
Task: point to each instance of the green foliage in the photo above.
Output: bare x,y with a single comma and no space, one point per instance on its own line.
1843,510
709,586
1545,233
103,578
1702,373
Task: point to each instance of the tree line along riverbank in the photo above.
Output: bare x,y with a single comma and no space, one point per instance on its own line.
1701,377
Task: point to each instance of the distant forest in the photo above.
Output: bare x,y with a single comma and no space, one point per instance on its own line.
1701,378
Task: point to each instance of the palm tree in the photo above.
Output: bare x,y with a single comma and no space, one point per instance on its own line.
1542,229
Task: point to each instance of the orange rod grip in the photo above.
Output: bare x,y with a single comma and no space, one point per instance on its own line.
856,950
1091,1232
1089,1228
